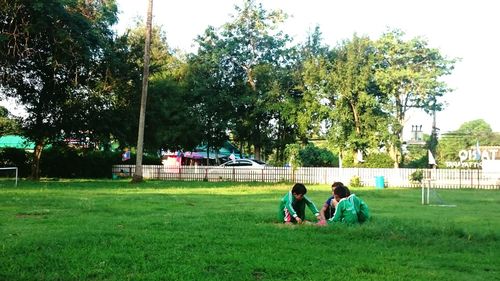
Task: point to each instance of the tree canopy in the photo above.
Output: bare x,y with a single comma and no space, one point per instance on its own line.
247,82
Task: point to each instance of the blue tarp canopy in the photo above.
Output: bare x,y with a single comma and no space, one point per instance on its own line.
16,142
224,152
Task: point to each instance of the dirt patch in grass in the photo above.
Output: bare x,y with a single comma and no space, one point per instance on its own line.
39,214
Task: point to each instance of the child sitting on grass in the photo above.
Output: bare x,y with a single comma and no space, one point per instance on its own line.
293,205
328,208
348,208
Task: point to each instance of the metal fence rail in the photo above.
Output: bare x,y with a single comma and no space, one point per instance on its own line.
395,177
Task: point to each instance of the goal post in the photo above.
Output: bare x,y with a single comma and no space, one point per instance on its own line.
430,194
426,187
14,171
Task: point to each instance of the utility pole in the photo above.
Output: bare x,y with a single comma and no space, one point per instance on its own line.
433,142
144,95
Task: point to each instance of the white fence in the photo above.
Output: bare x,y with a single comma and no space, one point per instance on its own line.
400,177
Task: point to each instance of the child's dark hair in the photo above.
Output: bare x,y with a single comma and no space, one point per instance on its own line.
299,188
341,190
338,183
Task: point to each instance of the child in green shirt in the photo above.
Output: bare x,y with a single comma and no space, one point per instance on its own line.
350,208
328,208
293,205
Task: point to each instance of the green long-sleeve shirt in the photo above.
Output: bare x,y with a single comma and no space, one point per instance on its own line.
289,199
351,210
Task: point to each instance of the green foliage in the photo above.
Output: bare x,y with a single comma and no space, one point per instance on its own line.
313,156
409,73
243,76
417,176
378,160
355,116
8,124
52,53
292,153
68,162
15,157
355,181
417,156
372,160
110,230
466,137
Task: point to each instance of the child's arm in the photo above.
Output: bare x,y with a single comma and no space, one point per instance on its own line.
288,205
325,207
312,207
322,212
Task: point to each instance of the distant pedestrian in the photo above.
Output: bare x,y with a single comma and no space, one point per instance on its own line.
126,155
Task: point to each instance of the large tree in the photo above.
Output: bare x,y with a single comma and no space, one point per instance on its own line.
209,88
341,84
409,73
465,137
357,123
245,50
49,52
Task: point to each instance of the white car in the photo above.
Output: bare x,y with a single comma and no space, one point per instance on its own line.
244,163
239,170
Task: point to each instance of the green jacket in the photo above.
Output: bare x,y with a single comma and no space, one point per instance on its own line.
289,199
351,210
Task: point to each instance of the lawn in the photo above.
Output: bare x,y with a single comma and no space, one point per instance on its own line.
114,230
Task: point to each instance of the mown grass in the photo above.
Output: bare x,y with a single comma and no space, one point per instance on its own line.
113,230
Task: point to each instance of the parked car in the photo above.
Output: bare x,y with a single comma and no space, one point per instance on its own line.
244,163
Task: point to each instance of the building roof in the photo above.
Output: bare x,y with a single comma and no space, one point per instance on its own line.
14,141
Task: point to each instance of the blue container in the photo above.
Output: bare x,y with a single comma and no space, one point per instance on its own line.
379,182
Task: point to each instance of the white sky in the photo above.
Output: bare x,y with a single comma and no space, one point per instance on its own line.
462,28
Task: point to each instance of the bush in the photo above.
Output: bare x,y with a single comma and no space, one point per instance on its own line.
355,182
379,160
417,176
313,156
372,160
68,162
15,157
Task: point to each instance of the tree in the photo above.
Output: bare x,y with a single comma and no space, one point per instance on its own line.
356,119
8,124
144,95
342,86
465,137
244,51
408,73
310,92
209,87
50,52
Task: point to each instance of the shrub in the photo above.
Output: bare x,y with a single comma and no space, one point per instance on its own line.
417,176
355,182
379,160
15,157
68,162
313,156
372,160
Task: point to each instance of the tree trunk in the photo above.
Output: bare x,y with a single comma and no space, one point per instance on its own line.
394,153
357,124
142,116
257,152
35,167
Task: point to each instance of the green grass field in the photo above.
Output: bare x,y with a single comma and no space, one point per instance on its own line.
113,230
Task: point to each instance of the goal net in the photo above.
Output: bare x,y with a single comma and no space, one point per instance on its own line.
431,196
8,176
